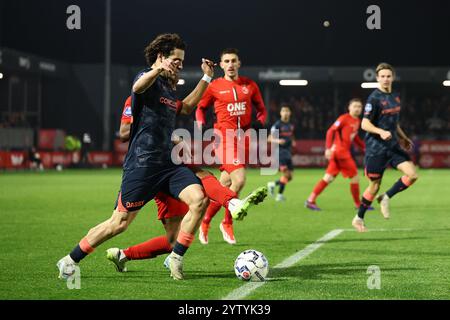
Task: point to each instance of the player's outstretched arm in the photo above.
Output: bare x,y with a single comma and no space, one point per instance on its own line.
258,102
404,140
278,141
191,101
124,131
368,126
360,143
148,78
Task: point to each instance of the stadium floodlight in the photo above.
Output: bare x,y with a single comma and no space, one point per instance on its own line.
293,82
181,82
369,85
1,75
446,83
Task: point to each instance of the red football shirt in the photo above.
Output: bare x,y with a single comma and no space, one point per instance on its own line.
127,115
233,101
342,134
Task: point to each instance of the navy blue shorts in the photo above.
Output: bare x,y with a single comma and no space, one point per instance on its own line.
375,165
286,161
140,185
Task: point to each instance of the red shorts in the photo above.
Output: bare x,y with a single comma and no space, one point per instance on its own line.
233,154
346,166
169,207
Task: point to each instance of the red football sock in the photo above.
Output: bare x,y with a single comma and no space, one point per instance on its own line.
213,208
148,249
322,184
354,188
216,191
227,219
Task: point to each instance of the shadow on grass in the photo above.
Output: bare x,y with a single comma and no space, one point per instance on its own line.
375,239
319,271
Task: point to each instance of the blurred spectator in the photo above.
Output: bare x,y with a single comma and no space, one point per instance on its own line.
34,159
85,148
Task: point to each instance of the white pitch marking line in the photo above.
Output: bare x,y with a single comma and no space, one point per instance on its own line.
382,230
247,288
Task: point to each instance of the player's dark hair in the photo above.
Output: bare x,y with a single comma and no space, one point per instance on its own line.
229,51
384,66
354,100
285,106
164,43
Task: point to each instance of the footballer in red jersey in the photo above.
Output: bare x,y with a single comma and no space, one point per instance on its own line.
233,98
339,139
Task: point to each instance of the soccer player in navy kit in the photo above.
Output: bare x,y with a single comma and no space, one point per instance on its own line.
385,145
286,141
148,167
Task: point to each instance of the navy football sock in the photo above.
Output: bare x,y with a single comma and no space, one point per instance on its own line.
282,186
77,254
365,204
399,186
180,249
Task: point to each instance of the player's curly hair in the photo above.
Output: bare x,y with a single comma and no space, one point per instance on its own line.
164,43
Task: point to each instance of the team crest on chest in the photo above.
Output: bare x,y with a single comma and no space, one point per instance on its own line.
244,89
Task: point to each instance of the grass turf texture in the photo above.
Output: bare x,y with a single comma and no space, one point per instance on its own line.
44,215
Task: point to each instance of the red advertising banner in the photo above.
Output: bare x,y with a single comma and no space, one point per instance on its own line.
309,147
51,139
9,160
120,147
16,159
430,160
100,158
432,146
308,153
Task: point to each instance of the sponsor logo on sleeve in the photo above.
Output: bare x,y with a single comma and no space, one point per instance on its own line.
367,108
127,112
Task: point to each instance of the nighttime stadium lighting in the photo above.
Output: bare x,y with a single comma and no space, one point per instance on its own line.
1,75
181,82
369,85
446,83
293,82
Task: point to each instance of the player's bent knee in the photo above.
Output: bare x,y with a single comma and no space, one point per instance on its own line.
413,177
117,227
354,179
118,223
239,182
198,201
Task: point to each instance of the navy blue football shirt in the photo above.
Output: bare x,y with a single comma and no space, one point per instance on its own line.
383,110
154,113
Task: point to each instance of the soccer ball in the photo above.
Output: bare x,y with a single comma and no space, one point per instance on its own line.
251,265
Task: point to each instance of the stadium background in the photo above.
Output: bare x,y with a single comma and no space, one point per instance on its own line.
53,79
52,82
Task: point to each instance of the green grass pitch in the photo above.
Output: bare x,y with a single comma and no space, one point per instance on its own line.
43,215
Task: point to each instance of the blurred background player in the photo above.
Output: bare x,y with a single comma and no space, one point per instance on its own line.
286,141
385,145
233,98
34,159
339,139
